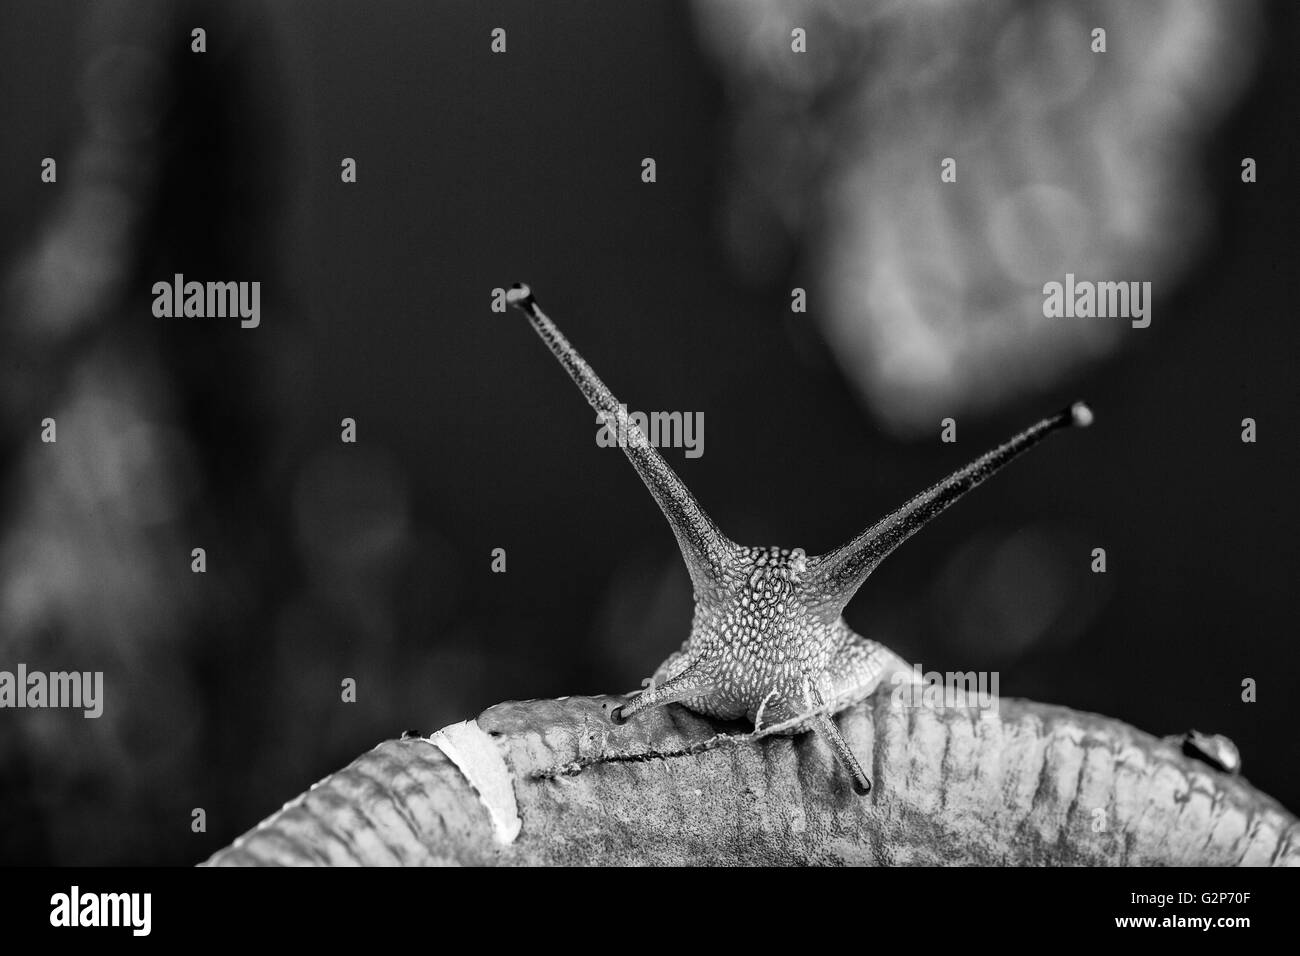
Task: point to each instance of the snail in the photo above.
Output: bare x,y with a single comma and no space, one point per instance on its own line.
768,642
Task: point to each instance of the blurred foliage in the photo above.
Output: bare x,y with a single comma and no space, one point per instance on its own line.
930,294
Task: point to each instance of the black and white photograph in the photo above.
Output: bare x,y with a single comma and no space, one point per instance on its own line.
653,435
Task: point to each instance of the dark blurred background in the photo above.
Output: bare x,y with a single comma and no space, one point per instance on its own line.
774,171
